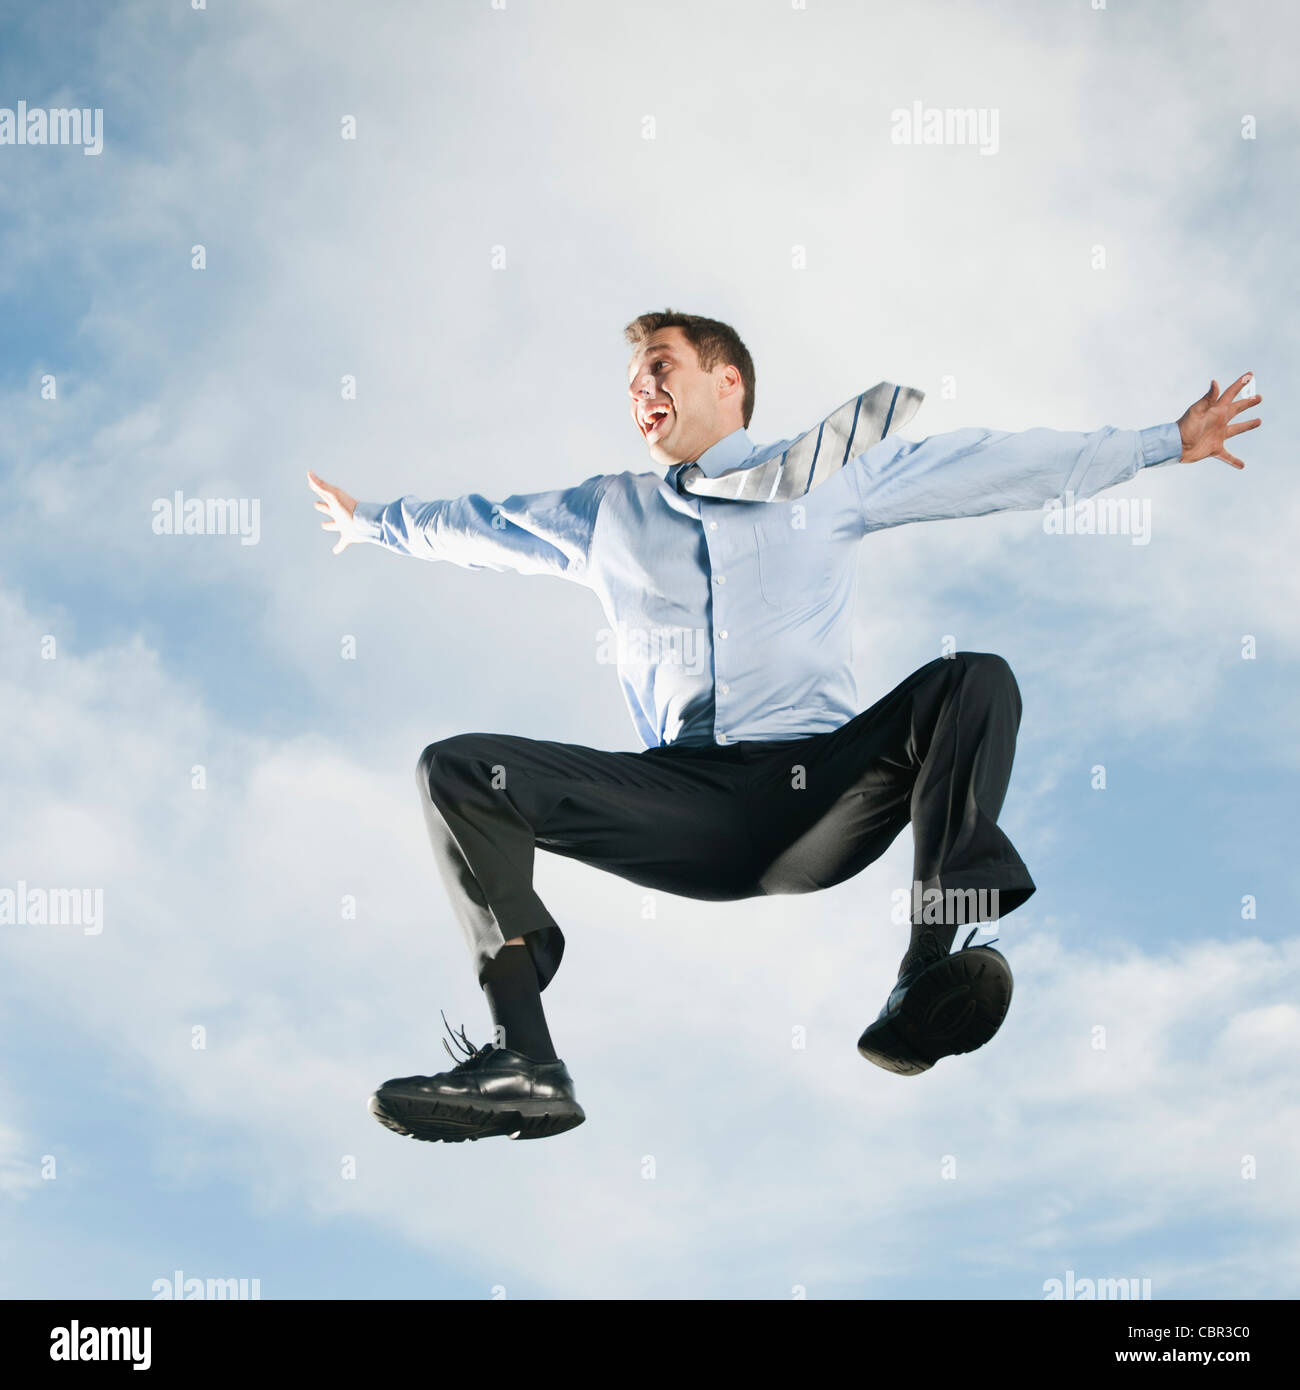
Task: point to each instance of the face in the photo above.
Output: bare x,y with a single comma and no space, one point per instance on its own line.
679,409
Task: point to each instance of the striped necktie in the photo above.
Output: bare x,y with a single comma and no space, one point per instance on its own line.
815,455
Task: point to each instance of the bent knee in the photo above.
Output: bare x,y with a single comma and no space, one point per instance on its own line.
991,671
438,759
986,665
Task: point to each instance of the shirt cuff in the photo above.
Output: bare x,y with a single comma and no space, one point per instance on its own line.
1161,444
366,525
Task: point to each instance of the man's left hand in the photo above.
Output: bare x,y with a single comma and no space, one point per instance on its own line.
1204,425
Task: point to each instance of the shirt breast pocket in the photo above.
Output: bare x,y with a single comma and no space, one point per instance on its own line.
794,566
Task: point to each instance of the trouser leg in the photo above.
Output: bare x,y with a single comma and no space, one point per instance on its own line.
936,751
973,718
491,800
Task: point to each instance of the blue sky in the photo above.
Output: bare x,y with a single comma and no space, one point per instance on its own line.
523,128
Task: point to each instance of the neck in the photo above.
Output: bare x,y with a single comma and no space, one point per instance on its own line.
710,440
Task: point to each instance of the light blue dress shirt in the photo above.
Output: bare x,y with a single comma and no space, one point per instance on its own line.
733,620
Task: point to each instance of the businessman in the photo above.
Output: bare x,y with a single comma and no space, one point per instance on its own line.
729,583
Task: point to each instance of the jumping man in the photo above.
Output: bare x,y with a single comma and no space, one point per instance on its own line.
729,584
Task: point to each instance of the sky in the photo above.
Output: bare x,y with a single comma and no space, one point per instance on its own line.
184,730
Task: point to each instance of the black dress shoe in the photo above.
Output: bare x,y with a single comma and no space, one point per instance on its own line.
494,1090
944,1004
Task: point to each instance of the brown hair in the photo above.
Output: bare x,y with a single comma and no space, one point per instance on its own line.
716,344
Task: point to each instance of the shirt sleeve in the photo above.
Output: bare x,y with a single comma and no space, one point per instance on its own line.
533,533
972,472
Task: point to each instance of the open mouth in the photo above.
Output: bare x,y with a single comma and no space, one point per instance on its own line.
653,418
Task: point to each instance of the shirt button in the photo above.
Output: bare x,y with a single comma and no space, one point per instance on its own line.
722,632
720,579
722,738
726,689
713,526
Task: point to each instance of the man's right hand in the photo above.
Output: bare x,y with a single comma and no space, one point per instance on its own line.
339,508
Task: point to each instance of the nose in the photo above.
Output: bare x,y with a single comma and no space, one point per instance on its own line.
640,387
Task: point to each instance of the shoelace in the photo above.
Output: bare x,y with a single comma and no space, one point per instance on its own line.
472,1053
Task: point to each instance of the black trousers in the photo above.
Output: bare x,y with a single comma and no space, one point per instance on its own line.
738,820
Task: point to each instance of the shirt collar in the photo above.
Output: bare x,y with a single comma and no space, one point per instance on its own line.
729,452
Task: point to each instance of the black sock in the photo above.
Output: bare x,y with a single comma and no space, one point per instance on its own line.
917,954
515,1000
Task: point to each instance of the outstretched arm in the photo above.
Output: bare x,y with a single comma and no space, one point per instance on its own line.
537,533
972,472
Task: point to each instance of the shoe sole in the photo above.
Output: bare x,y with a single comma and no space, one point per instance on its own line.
452,1122
955,1007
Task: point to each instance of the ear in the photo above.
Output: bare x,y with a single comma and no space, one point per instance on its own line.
729,382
